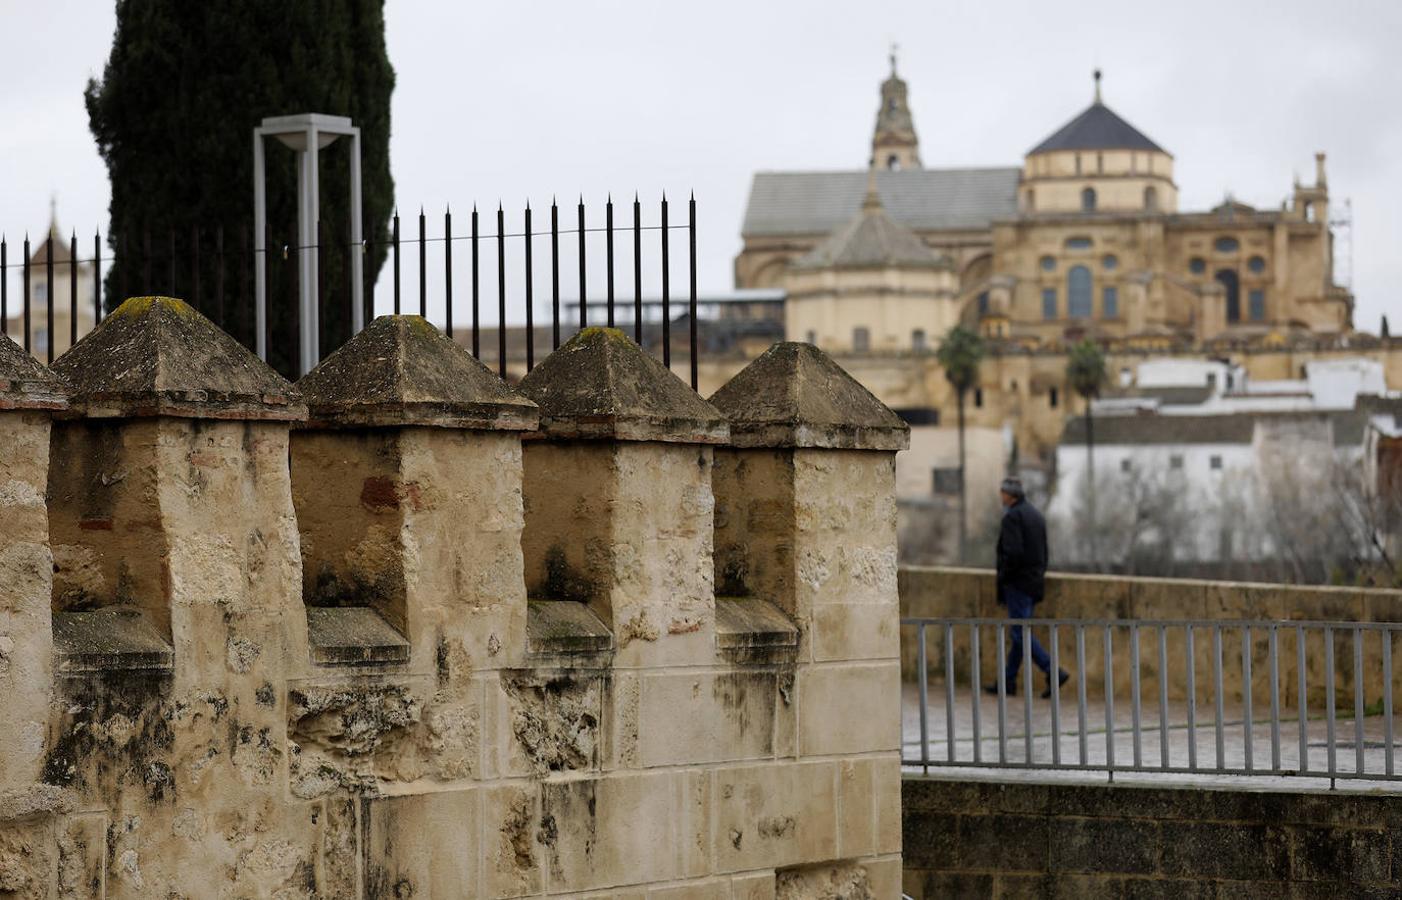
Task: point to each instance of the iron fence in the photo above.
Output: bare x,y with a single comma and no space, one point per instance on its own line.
1199,697
178,261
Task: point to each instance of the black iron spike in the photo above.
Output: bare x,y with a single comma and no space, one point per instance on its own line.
476,325
530,296
423,265
666,292
637,270
395,247
583,288
73,289
24,274
554,275
501,291
448,270
608,253
691,305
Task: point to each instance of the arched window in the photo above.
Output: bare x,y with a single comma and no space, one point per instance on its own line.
861,339
1088,200
1151,198
1229,281
1078,301
893,162
1031,200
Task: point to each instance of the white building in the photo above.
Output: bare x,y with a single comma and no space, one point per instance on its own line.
63,298
1194,463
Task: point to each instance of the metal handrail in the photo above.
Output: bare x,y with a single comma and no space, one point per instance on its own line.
1167,738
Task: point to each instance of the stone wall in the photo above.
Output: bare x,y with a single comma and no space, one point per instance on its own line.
936,592
1023,839
400,630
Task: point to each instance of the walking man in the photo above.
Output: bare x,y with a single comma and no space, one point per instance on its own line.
1022,569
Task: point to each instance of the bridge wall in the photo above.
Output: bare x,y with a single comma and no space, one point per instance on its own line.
1024,839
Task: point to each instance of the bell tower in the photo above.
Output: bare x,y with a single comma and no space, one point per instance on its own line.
894,146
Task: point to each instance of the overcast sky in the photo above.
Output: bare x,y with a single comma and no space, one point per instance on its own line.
529,99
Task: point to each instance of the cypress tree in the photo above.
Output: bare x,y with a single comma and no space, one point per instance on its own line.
173,117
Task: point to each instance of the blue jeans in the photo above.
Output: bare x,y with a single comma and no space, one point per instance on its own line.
1020,607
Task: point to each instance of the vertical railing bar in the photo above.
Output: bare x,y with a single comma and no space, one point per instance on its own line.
1109,701
637,270
124,263
267,279
1246,694
692,313
73,289
394,247
1358,689
245,278
97,278
924,701
1055,685
1163,697
448,270
348,247
49,299
5,287
1002,696
501,291
666,292
1192,698
554,275
1275,696
320,252
975,690
367,288
195,269
1387,699
1027,668
530,296
583,290
24,285
949,690
146,259
1302,703
423,264
1217,696
1081,692
608,253
219,278
1134,693
476,311
1329,702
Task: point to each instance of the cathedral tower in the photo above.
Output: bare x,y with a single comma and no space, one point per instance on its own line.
894,145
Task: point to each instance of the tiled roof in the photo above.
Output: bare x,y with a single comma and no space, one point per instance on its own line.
784,203
1221,429
871,238
1098,128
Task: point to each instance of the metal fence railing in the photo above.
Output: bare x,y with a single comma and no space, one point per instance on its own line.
1208,697
508,276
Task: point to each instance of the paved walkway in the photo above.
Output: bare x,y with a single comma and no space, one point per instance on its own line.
1093,747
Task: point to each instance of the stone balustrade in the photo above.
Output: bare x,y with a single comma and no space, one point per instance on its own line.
403,630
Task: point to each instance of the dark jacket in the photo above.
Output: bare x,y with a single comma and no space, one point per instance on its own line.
1022,551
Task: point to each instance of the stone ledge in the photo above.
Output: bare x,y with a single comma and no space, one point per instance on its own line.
110,639
353,636
752,630
564,627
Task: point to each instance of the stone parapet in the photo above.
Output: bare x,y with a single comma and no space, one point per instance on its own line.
402,630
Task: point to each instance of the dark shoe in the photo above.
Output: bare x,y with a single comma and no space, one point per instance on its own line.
1062,677
991,689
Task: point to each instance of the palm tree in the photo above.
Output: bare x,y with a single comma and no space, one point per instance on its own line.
1085,371
959,355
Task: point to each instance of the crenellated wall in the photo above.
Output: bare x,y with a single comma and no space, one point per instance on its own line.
403,631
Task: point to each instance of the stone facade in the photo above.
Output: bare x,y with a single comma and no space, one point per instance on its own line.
401,630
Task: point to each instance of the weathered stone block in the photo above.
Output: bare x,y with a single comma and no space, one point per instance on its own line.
423,845
753,886
849,708
513,839
546,721
776,814
843,631
1238,852
730,717
619,829
1109,845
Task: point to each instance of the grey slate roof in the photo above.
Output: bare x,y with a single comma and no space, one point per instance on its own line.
784,203
871,238
1219,429
1098,128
